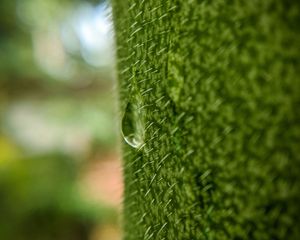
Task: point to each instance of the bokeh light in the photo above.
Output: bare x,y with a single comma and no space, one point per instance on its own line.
60,170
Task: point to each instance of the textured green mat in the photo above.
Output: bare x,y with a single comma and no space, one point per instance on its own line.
210,96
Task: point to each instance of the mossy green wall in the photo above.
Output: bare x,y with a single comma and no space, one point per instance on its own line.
210,92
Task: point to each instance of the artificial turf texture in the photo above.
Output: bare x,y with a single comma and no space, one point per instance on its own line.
210,90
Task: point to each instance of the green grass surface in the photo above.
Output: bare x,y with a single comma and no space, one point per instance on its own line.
215,89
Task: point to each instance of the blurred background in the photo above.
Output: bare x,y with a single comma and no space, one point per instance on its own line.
60,174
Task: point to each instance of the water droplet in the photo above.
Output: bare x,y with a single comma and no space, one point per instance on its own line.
132,126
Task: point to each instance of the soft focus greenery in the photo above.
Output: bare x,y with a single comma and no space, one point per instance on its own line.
56,113
38,200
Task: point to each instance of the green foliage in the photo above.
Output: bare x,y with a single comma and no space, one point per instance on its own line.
217,88
29,28
38,200
53,86
43,112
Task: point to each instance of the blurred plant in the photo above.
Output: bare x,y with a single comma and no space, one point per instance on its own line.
56,107
39,200
59,52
